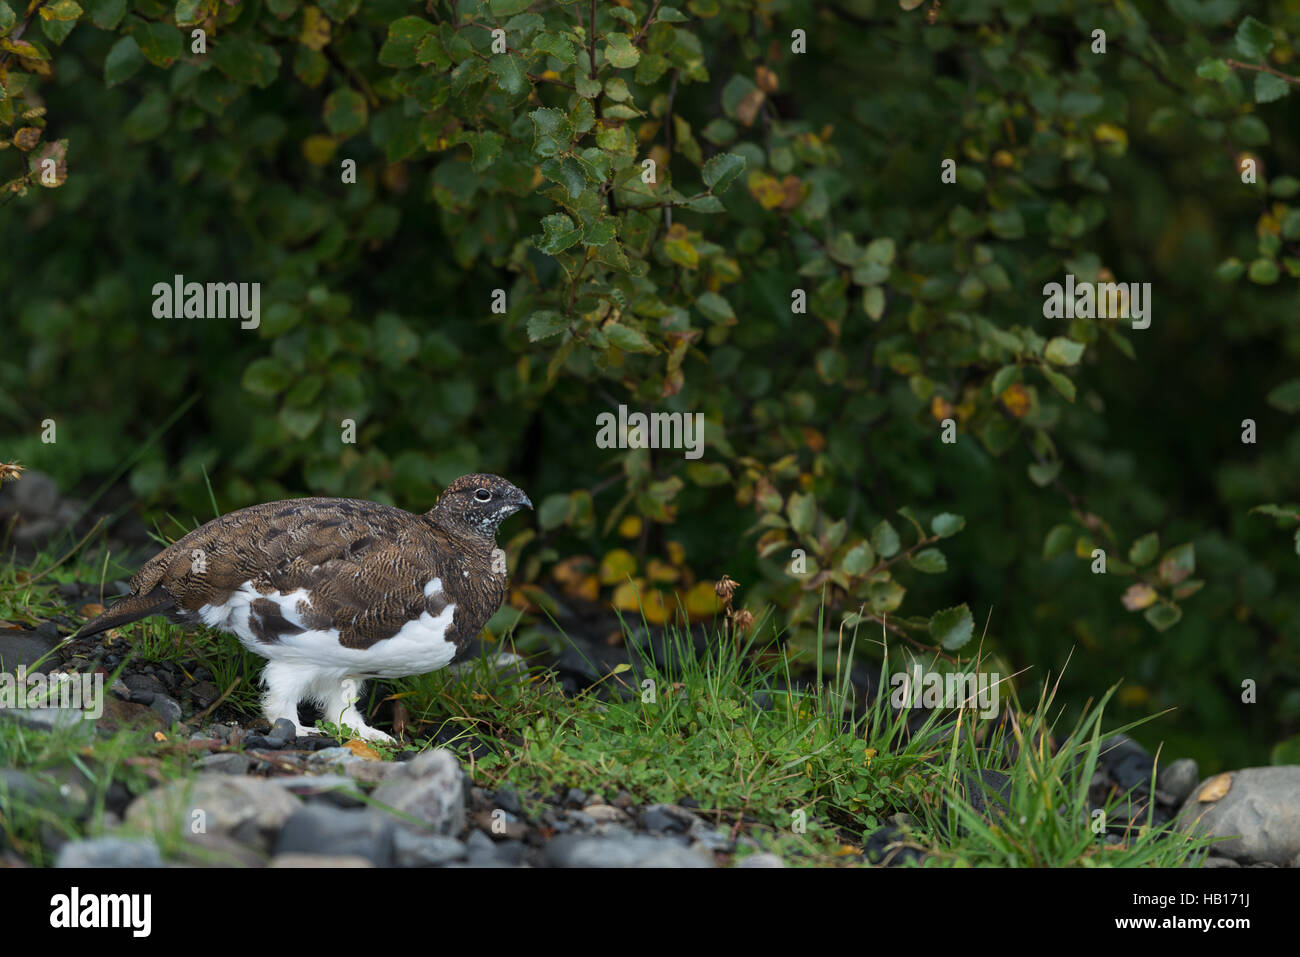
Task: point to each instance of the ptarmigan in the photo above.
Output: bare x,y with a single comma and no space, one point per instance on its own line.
333,591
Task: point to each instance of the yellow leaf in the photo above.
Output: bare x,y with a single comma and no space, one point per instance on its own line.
702,601
616,566
1215,788
658,571
315,29
676,554
630,526
1016,399
766,189
318,150
1139,596
362,750
625,595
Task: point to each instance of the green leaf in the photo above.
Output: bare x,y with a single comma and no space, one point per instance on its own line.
1044,474
61,10
554,511
405,34
953,627
1215,70
105,14
1177,564
552,131
149,118
1063,351
1263,271
600,233
1269,88
721,171
620,53
1059,382
1254,39
714,308
627,338
931,561
1286,396
802,510
551,44
123,61
7,18
300,422
1057,541
159,42
245,61
884,539
859,559
345,112
946,524
509,71
508,8
544,324
266,376
558,234
1163,616
1143,551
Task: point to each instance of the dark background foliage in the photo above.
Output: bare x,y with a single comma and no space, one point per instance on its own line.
777,170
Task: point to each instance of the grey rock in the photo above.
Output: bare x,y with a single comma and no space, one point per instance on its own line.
227,762
576,797
250,810
1178,780
34,495
667,817
761,859
167,709
430,787
482,849
639,850
337,789
321,829
319,860
1260,812
508,800
110,852
26,649
64,720
21,787
604,814
1214,861
425,850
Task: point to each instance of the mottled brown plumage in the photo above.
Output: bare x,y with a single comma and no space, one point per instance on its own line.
353,569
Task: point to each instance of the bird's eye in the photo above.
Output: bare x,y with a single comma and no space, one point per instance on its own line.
483,495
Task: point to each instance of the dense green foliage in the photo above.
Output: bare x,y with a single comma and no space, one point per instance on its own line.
797,156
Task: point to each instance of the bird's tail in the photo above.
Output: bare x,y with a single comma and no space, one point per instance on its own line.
129,609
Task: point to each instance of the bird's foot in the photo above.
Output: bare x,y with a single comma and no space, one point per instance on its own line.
367,733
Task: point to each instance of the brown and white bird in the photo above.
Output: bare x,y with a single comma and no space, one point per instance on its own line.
332,591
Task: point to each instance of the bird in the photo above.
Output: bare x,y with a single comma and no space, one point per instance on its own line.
335,591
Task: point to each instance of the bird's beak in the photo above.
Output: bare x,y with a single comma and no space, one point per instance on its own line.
524,501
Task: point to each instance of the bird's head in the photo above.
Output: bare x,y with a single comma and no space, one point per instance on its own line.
478,504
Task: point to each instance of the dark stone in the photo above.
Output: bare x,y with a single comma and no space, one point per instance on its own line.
25,648
657,819
883,847
426,850
321,829
508,800
167,709
575,797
